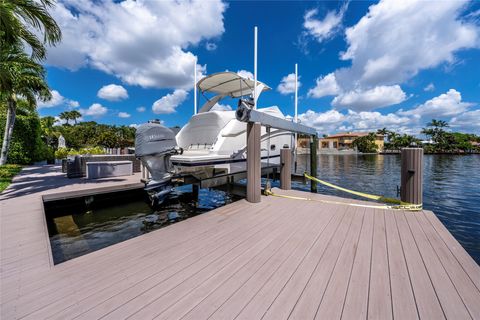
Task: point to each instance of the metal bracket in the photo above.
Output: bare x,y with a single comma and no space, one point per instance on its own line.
245,114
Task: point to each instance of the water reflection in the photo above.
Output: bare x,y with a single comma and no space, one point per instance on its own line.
451,186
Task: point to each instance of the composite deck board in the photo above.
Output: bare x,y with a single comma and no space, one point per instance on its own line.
256,307
278,259
109,293
426,299
338,284
452,305
403,299
356,299
379,297
305,289
230,250
205,299
463,284
236,302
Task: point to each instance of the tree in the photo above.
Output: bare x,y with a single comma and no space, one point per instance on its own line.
26,145
74,115
438,134
21,76
22,20
65,115
49,135
366,144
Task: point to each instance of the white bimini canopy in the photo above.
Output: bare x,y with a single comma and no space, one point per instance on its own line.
229,84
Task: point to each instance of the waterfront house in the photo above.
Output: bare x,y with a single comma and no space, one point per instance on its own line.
344,141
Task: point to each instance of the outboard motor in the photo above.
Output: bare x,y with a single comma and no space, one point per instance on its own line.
154,145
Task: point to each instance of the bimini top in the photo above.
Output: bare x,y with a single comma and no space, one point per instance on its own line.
229,84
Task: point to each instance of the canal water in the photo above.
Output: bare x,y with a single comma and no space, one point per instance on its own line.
85,224
451,186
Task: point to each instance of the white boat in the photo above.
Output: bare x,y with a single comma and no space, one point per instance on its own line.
214,142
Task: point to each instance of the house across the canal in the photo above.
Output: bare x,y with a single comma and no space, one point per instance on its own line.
341,142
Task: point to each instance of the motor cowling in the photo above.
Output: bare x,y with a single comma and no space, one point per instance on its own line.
154,144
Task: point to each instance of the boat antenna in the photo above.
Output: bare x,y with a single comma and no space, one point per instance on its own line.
255,34
296,93
295,119
195,86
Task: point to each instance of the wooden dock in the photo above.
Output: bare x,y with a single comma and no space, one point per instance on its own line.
278,259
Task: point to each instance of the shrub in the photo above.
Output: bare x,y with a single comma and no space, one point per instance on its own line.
26,142
62,153
366,144
7,172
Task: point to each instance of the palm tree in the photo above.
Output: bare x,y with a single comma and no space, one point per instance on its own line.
74,115
20,77
22,20
437,123
65,115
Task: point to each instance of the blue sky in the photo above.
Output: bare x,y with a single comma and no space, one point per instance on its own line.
362,65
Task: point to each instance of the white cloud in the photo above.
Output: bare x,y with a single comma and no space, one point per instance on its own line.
325,29
141,109
123,115
468,121
73,103
446,104
95,110
134,125
287,84
377,97
397,39
210,46
325,86
429,87
151,52
245,74
57,100
168,104
333,121
112,92
221,107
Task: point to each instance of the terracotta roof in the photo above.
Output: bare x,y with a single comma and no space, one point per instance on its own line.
350,134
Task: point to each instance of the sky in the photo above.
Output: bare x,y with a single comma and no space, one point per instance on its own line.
362,65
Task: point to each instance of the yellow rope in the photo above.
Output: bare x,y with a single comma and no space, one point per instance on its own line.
399,207
399,204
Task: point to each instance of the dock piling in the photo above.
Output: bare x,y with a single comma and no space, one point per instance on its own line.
286,169
411,187
313,162
253,162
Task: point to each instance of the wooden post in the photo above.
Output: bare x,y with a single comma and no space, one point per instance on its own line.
313,163
253,162
195,193
286,169
411,188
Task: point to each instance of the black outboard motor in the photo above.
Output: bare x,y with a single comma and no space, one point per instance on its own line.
154,145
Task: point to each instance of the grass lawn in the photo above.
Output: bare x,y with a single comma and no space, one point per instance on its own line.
7,172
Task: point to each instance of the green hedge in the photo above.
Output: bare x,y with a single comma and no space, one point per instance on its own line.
26,146
62,153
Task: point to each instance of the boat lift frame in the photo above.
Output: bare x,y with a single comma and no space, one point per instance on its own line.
255,120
